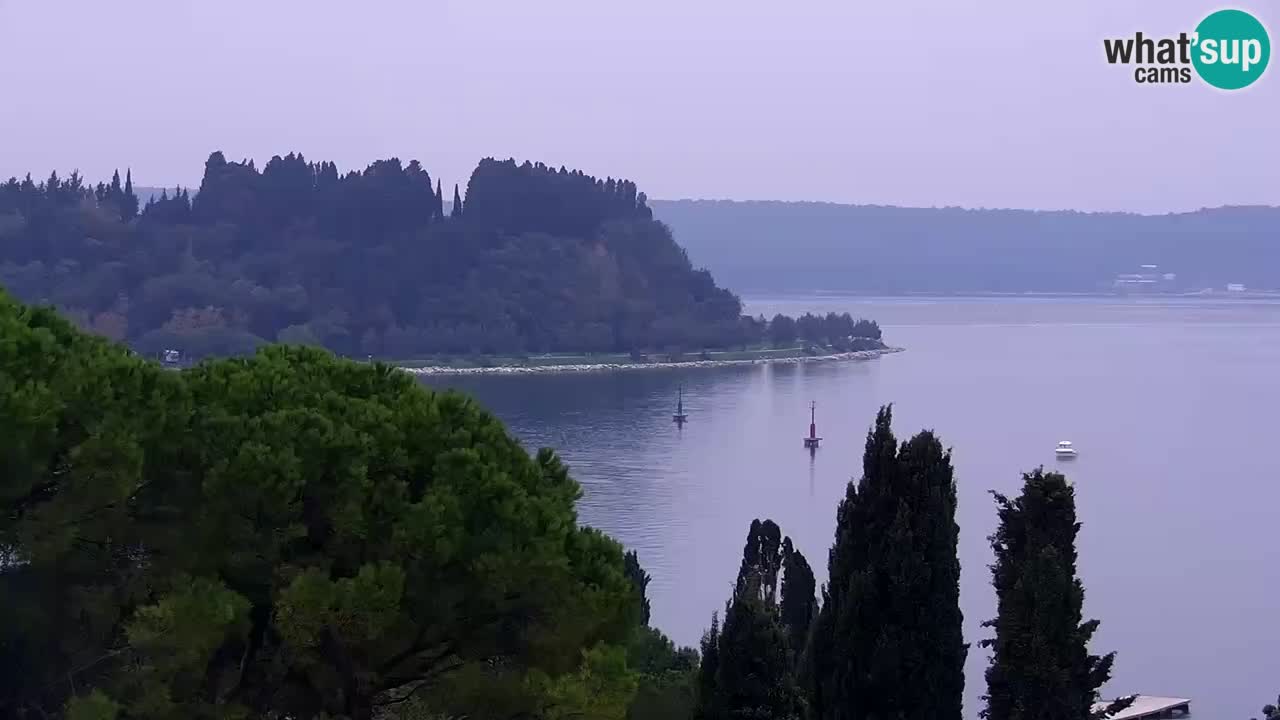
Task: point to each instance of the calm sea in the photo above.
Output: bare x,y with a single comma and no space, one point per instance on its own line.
1172,403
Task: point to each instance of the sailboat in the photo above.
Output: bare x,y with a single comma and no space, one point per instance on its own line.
679,416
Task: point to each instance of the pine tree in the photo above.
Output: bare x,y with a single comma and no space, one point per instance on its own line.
438,211
456,210
888,643
1040,667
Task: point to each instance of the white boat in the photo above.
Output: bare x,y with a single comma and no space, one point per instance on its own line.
1065,449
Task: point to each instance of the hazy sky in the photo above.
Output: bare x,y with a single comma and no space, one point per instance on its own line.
980,103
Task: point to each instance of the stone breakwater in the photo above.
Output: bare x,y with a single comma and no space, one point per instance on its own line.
609,367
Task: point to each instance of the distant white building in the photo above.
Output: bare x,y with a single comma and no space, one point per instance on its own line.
1149,279
1235,287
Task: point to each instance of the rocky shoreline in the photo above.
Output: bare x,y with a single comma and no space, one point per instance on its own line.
602,367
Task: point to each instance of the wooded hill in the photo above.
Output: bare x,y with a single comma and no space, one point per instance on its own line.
781,246
534,259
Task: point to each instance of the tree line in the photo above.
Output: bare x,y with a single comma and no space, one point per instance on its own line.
295,535
532,259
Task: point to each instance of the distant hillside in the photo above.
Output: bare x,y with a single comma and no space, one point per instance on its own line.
149,194
372,262
777,246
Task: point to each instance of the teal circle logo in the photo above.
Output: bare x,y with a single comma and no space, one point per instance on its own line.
1232,49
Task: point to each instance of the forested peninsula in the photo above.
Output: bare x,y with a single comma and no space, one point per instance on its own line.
530,260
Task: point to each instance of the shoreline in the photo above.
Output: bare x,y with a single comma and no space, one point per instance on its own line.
762,296
602,367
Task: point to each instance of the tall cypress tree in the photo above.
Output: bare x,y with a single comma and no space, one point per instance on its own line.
708,699
761,561
1040,667
456,210
438,211
747,663
129,205
755,678
799,604
640,579
888,643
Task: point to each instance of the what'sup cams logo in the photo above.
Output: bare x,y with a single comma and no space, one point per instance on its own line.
1228,50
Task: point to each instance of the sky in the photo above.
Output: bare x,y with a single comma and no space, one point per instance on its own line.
975,103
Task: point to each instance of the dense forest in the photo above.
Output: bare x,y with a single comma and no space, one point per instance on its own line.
377,262
294,535
778,246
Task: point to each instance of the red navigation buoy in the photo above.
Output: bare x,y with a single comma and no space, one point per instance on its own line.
812,441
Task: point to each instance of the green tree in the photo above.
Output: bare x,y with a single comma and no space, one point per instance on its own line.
1041,668
799,605
890,624
761,561
1271,712
640,579
667,675
709,706
754,679
671,696
90,454
456,210
753,675
287,534
129,203
782,330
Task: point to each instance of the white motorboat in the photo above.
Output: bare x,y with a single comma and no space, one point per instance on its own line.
1065,449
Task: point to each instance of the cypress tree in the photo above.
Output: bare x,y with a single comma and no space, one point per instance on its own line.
761,561
1040,666
456,210
129,206
708,699
640,579
799,605
753,675
438,210
888,643
755,678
